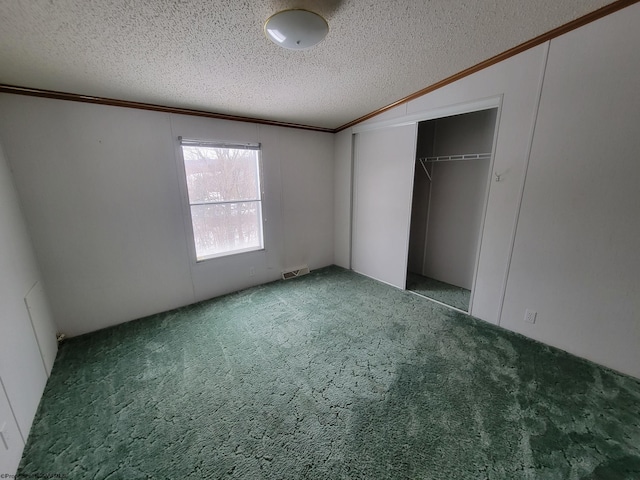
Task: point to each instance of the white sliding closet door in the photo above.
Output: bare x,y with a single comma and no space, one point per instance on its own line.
383,183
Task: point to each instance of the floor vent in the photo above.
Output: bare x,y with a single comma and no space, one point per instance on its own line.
296,272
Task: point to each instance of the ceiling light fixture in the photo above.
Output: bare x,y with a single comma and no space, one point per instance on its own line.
296,29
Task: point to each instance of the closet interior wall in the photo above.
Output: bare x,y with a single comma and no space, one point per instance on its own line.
447,209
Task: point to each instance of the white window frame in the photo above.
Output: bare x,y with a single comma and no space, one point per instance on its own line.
184,142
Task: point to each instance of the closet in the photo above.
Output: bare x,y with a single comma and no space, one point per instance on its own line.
450,187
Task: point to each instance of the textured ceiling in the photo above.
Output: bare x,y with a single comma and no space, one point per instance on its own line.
213,55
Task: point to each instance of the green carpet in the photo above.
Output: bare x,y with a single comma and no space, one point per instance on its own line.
443,292
329,376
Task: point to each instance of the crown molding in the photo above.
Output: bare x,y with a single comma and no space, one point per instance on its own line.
74,97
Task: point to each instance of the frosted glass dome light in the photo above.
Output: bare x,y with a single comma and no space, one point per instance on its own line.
296,29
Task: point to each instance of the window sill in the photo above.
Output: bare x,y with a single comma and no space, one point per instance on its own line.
228,254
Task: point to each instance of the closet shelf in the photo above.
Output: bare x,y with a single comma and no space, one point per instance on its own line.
452,158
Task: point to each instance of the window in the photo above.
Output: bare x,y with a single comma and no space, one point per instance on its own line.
225,197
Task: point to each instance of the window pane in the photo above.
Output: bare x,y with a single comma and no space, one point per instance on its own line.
221,174
227,227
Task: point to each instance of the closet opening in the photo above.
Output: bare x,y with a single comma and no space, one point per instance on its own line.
451,183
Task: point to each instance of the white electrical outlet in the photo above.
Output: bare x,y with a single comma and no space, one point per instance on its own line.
530,316
252,271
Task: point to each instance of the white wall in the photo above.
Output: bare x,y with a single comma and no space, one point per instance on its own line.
9,458
22,369
104,199
468,133
44,327
307,196
342,178
458,193
577,252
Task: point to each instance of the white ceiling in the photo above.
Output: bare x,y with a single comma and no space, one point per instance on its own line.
213,55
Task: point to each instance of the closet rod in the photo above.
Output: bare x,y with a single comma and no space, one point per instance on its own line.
453,158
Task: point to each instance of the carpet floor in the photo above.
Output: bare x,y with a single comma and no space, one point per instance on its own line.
443,292
328,376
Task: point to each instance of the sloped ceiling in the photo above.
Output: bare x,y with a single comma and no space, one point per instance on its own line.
212,55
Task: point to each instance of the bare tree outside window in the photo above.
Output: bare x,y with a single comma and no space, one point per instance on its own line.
225,198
